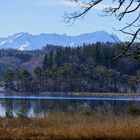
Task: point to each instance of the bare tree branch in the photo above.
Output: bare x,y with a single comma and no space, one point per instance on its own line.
124,7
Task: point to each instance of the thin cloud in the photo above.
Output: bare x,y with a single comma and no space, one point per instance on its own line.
58,3
69,3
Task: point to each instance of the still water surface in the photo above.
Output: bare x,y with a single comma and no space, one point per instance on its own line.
41,106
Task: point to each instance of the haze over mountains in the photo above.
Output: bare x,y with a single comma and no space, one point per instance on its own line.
26,41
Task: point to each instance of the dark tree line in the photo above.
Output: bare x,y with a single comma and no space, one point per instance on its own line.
88,68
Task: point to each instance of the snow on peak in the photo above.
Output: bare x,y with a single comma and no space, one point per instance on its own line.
26,41
18,35
24,46
3,42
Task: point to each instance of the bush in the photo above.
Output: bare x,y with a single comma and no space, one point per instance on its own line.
22,113
133,110
85,112
9,114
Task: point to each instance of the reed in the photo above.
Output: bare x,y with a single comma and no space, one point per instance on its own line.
62,126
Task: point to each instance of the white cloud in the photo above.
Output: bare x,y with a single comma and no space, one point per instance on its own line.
69,3
58,3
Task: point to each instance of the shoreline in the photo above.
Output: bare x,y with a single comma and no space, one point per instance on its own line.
70,94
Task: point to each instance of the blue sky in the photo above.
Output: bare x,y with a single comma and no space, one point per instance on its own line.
46,16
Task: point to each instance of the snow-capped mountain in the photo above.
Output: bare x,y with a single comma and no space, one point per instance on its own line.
26,41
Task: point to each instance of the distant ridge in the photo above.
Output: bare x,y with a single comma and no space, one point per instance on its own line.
26,41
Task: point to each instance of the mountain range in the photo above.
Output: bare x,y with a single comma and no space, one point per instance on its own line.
26,41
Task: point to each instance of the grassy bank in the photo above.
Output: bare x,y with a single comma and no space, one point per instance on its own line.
95,127
85,94
105,94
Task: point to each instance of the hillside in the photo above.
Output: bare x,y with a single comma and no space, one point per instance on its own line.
64,69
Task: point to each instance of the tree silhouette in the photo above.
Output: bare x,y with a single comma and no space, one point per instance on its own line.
120,9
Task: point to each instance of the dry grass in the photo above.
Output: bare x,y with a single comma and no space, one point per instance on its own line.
71,127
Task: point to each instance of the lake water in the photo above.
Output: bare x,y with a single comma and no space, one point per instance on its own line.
41,106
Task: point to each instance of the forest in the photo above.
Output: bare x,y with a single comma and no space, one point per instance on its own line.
87,68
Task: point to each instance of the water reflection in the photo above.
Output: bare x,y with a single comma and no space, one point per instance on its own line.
41,108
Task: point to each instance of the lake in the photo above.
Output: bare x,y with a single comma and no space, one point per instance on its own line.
41,106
